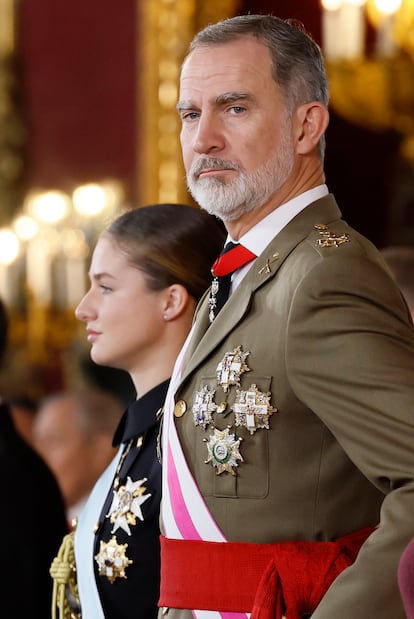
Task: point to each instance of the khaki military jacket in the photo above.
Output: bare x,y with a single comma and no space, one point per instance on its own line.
328,346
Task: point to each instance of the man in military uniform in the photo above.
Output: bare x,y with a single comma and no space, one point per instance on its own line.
288,441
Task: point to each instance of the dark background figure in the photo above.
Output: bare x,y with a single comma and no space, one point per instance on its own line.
32,518
23,410
73,433
400,259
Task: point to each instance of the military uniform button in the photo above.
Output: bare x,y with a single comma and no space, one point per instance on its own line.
180,408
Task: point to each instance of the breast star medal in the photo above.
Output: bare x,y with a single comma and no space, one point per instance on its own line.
223,451
126,505
112,560
231,367
252,409
204,407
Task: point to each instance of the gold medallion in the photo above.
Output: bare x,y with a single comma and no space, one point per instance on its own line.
180,408
126,505
252,409
112,560
204,407
231,367
223,451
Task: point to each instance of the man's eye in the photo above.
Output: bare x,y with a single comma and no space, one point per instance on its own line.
238,109
105,289
190,116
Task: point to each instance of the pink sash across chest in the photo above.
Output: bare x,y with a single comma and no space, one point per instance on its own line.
184,514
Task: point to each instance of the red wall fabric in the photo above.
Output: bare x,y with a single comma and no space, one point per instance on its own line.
306,11
78,83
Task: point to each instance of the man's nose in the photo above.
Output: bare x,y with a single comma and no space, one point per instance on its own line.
209,135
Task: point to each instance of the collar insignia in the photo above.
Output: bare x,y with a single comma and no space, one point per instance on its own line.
266,268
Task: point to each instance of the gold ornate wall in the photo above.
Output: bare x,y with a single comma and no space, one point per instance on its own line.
12,135
164,30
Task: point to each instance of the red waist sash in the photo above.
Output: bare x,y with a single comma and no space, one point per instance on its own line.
267,580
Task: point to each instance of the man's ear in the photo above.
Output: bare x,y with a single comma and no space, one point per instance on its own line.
311,121
175,301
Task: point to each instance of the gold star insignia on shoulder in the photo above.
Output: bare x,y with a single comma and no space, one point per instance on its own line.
126,505
328,238
112,560
223,451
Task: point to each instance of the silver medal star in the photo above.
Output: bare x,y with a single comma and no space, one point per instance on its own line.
126,505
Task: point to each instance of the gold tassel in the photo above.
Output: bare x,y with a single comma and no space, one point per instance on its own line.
65,599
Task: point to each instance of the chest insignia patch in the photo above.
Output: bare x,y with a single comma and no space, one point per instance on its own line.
223,451
126,505
252,409
204,407
231,367
112,560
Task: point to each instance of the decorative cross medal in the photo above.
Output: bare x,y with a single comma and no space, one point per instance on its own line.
112,560
231,367
252,409
204,407
126,505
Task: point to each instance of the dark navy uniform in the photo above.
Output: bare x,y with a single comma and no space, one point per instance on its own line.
126,548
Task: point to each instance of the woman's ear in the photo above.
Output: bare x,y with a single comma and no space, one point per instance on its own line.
311,121
176,300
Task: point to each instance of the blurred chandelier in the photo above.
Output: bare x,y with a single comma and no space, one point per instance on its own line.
372,85
44,252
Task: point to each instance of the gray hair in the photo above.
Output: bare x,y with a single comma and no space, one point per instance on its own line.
297,62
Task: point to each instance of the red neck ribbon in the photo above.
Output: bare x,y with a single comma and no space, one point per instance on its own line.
232,260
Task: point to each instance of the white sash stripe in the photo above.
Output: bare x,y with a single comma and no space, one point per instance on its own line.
84,542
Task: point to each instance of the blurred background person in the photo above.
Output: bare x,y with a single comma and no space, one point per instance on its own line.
400,259
32,518
73,432
23,410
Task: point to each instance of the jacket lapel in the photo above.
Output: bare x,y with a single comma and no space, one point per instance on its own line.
205,338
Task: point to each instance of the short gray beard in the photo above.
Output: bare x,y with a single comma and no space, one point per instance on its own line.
247,192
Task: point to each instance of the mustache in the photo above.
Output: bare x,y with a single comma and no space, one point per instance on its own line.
212,163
